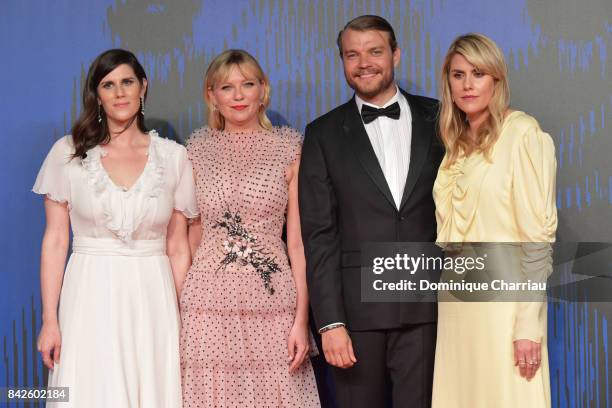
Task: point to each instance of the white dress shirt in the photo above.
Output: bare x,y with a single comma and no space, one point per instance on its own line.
391,140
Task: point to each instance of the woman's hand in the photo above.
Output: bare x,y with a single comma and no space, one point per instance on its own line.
50,344
298,345
527,356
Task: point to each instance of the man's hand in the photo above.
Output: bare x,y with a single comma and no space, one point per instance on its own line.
338,348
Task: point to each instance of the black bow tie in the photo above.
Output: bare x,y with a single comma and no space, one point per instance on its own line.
369,113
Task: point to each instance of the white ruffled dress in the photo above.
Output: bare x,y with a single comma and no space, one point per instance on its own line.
118,311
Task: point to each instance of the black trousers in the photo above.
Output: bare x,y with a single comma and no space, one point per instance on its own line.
399,360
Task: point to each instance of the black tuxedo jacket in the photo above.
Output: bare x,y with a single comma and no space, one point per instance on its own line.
345,201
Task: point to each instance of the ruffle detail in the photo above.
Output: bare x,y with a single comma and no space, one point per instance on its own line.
241,345
54,197
120,217
457,197
188,213
158,158
95,171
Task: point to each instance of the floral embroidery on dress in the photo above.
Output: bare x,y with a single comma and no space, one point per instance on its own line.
241,246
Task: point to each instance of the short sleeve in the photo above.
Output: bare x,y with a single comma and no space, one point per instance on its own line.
193,142
184,195
293,144
53,177
533,190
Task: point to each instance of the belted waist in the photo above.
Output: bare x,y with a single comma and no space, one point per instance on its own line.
116,247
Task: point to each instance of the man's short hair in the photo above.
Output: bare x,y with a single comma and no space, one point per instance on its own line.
366,23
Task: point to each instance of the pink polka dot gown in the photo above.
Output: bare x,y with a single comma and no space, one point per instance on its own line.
239,298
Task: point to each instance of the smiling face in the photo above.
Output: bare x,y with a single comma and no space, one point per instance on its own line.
369,63
238,98
471,88
119,94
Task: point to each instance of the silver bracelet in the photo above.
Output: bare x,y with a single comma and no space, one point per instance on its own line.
330,327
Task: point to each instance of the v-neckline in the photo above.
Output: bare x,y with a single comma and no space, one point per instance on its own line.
124,189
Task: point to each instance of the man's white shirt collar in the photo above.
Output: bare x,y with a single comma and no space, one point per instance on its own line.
395,98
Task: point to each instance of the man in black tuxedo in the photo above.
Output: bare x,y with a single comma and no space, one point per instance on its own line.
366,175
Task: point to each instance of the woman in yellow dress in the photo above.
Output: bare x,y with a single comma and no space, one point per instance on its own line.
496,184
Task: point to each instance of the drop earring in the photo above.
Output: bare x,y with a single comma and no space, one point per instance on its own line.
99,114
142,106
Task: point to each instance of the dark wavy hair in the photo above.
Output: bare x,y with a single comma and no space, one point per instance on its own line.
87,131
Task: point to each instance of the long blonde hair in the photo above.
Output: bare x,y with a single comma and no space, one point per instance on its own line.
485,55
218,71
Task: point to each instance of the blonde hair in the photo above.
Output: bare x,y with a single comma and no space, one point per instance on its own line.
219,69
486,56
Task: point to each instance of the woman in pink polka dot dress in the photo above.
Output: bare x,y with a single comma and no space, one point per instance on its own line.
245,340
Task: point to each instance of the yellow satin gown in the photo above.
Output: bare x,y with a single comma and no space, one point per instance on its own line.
510,198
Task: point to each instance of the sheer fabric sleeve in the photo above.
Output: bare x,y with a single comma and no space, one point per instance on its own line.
53,177
184,195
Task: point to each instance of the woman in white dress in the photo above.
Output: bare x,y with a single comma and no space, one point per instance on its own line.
127,194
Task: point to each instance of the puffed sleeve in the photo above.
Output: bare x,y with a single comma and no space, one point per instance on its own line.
533,194
293,144
53,177
184,195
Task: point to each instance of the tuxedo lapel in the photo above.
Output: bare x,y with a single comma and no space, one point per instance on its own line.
419,147
359,141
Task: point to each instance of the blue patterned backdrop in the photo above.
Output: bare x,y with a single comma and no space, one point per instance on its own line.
559,59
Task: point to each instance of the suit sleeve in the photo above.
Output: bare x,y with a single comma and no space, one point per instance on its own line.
318,215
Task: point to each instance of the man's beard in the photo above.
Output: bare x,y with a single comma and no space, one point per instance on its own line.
380,87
